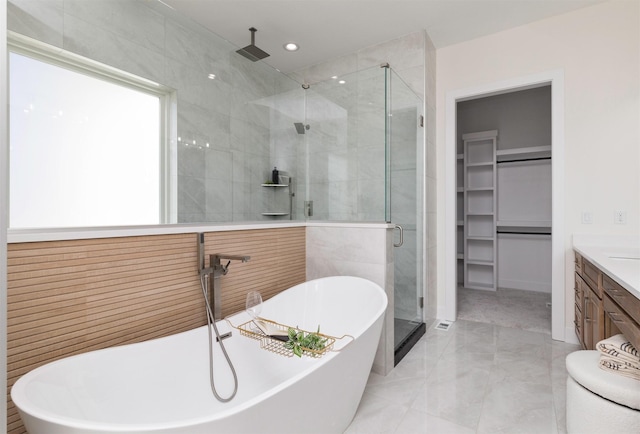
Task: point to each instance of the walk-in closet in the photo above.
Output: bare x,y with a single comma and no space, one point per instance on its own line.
504,209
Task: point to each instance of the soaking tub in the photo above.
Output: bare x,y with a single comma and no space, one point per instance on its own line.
162,385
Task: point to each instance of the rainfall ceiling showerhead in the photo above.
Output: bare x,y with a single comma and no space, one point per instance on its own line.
252,52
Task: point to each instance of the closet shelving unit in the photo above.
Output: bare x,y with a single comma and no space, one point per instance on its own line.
479,210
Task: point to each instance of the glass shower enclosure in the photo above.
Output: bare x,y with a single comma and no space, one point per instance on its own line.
363,152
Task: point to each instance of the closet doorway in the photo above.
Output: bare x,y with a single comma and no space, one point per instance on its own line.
503,222
504,228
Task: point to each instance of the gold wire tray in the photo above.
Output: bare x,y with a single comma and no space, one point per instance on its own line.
250,330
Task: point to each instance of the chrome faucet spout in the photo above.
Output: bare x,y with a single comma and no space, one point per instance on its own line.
222,270
243,258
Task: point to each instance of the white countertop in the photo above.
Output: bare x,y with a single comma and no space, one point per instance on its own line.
619,261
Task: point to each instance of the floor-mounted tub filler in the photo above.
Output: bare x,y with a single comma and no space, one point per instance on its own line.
162,385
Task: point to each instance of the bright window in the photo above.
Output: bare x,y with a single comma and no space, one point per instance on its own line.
85,149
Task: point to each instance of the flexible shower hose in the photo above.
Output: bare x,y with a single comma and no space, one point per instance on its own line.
211,323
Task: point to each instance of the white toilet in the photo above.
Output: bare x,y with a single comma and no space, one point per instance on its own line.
599,401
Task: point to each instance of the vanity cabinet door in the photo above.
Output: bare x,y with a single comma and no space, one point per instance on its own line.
579,308
593,276
593,319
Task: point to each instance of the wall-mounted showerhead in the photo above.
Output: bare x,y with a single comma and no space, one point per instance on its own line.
300,127
252,52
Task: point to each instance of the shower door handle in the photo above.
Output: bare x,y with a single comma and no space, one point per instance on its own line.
401,242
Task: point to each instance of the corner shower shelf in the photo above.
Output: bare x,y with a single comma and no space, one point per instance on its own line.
277,190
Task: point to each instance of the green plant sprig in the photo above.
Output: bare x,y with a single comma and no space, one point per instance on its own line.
300,341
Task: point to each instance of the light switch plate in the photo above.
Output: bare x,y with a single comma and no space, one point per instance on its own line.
587,217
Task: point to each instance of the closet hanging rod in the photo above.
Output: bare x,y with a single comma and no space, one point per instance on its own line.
524,159
523,233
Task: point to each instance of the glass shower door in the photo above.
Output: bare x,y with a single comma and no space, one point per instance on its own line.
404,151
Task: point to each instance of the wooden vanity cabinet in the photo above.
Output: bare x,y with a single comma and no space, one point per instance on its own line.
603,308
589,307
622,311
593,319
579,300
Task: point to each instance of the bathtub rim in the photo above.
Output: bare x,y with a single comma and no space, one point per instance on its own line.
88,425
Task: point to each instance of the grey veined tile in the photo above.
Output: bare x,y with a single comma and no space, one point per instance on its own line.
376,415
454,394
42,20
481,378
417,422
518,407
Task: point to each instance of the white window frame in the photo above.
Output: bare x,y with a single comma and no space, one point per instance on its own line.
41,51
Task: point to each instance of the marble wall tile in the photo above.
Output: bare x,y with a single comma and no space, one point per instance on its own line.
371,162
325,70
42,20
211,126
400,53
250,110
370,129
218,196
358,252
131,20
191,197
241,194
370,205
194,88
360,245
414,78
218,165
192,46
342,200
191,161
105,46
249,138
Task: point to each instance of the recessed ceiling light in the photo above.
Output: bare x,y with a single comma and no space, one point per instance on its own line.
334,77
211,76
342,82
291,46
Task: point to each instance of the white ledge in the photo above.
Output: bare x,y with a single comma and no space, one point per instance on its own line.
60,234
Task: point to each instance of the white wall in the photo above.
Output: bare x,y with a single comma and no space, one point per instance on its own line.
4,202
598,48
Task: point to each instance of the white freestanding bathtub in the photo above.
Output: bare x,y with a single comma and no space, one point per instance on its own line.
162,385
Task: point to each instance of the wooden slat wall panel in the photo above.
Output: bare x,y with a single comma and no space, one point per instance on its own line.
277,262
70,297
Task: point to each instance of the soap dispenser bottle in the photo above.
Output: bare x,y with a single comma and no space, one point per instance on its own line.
275,176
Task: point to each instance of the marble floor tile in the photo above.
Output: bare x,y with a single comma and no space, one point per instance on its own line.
417,422
454,393
526,310
402,392
376,415
474,378
516,367
518,407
